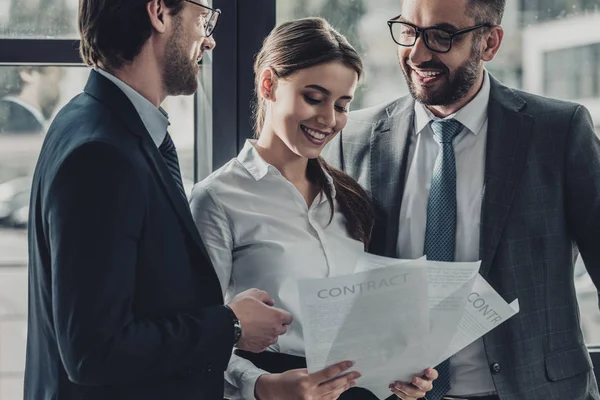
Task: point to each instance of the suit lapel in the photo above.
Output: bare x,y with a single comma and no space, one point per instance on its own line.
110,95
390,142
509,133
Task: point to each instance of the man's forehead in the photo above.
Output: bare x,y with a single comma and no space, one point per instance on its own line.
435,12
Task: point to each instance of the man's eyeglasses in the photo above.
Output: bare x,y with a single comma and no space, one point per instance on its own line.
210,21
436,39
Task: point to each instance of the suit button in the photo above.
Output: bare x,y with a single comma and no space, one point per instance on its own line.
495,368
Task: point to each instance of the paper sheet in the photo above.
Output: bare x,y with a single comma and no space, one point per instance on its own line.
395,318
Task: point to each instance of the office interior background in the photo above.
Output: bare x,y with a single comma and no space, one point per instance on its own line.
551,48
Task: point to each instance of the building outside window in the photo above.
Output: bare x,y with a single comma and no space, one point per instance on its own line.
572,72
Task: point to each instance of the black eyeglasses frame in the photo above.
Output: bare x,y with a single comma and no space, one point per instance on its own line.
213,11
422,32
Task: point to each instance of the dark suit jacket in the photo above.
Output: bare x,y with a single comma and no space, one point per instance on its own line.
541,204
14,118
124,302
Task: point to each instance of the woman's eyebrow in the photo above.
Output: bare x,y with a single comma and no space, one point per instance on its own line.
325,91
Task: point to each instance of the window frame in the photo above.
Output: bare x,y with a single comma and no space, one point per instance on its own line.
240,35
39,52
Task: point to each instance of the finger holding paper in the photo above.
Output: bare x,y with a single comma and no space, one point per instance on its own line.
418,387
327,384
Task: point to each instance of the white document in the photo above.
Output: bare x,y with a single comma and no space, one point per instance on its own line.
358,317
395,318
485,310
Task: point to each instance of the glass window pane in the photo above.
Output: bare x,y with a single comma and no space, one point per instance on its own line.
571,73
550,47
29,98
38,19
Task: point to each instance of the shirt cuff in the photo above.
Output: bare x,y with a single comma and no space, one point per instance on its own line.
248,382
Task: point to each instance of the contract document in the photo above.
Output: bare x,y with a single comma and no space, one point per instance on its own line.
395,318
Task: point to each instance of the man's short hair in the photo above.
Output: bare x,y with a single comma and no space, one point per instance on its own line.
114,31
486,11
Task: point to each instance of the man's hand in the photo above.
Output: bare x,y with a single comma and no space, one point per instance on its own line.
298,384
418,388
261,322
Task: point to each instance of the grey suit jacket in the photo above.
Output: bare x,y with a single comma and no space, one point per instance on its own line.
541,205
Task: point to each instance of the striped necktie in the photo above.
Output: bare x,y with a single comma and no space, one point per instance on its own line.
169,154
440,233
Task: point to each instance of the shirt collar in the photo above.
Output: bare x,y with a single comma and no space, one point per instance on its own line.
253,162
156,120
473,115
259,168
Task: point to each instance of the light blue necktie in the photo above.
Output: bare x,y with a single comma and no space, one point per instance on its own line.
440,233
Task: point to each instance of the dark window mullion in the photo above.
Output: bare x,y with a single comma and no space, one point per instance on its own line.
240,34
39,51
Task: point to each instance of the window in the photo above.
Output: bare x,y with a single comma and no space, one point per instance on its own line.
29,97
573,72
47,19
551,47
534,11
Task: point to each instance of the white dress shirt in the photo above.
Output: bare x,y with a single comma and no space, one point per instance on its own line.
155,119
470,374
260,233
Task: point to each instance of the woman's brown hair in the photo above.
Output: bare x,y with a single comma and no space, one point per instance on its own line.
305,43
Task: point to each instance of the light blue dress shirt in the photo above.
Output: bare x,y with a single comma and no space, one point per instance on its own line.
156,120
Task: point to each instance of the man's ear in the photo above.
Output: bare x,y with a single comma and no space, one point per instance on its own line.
267,84
156,12
492,42
29,75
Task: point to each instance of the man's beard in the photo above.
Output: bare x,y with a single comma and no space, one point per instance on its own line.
180,72
458,86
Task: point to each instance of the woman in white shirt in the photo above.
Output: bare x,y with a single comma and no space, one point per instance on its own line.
278,213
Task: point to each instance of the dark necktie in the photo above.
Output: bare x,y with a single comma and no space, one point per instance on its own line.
169,154
440,234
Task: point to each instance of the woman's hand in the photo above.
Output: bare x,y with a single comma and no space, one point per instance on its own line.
298,384
418,388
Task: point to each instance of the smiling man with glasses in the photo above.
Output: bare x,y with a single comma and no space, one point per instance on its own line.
440,61
466,169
